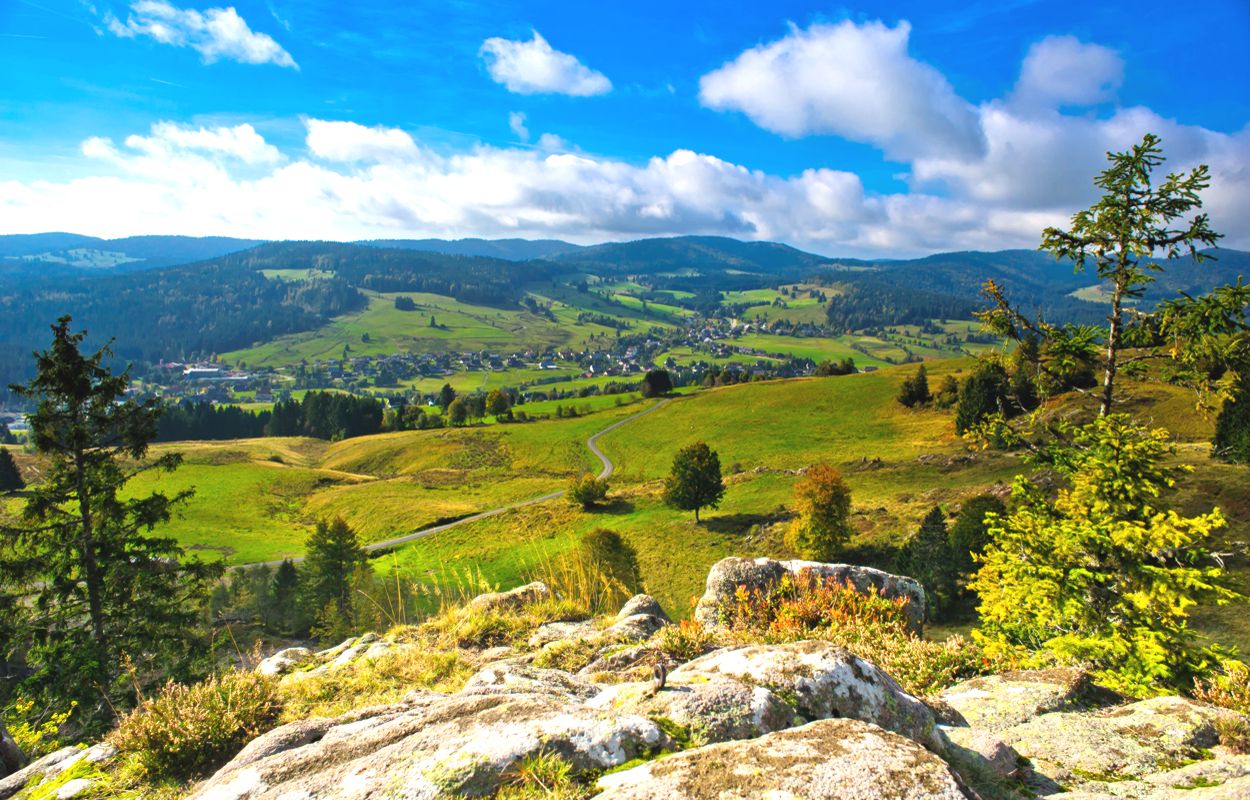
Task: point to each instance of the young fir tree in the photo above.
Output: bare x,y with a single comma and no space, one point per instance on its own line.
695,480
969,532
333,557
10,476
106,601
982,394
1105,572
927,558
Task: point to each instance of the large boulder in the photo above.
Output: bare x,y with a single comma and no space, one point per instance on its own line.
839,759
717,710
728,574
820,681
284,661
1075,749
513,678
513,599
440,747
998,702
642,604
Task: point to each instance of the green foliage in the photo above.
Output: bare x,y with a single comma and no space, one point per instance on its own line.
1104,572
334,557
94,588
545,776
35,734
458,411
808,606
969,534
947,393
1232,427
929,558
187,732
656,383
983,393
587,491
823,502
1120,236
915,389
695,479
498,403
10,475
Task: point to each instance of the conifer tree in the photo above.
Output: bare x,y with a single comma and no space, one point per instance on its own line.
927,558
333,556
1232,426
103,594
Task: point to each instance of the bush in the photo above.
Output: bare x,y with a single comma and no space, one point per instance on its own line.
808,606
587,491
1228,687
185,732
823,502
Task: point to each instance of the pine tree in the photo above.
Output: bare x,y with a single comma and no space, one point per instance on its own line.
284,593
10,475
103,592
694,482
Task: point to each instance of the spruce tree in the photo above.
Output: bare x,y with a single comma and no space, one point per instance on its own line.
915,390
10,475
927,558
333,556
982,394
105,600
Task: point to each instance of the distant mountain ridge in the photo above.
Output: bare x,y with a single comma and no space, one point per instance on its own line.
506,249
62,253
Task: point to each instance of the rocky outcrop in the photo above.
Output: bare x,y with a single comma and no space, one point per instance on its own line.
1075,749
513,599
838,759
820,681
452,746
53,768
760,573
998,702
717,710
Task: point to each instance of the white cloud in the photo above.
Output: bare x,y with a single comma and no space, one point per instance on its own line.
855,81
1062,70
1032,167
216,33
516,122
534,67
351,142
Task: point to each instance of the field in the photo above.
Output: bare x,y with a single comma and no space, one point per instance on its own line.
257,499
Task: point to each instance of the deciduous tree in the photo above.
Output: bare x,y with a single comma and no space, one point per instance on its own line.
694,482
823,503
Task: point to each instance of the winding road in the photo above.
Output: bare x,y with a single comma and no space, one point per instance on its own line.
592,444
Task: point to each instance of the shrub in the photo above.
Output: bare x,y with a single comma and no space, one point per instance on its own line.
587,491
36,737
686,640
808,606
1228,687
185,732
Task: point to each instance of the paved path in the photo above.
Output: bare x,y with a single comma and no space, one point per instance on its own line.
592,444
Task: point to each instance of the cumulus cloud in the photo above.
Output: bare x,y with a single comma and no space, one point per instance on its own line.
1062,70
516,122
534,67
855,81
352,142
216,33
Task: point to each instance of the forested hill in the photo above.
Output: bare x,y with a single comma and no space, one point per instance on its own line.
691,255
44,254
507,249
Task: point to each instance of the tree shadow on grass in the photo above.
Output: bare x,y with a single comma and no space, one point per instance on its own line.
739,524
616,507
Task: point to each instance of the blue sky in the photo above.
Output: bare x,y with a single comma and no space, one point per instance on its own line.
873,129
